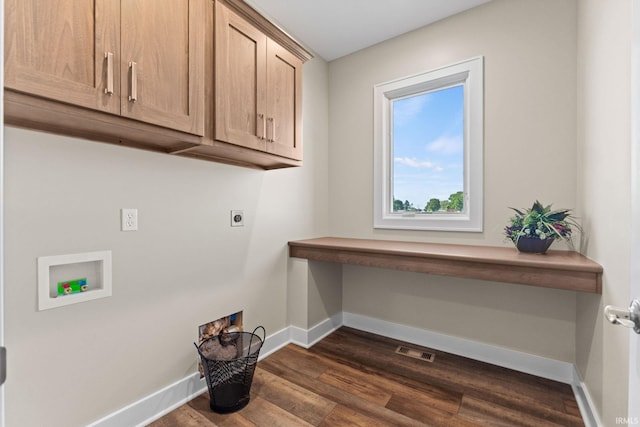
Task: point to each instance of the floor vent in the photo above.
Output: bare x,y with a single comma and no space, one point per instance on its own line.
416,354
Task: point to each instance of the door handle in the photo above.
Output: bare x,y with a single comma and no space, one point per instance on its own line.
3,364
629,318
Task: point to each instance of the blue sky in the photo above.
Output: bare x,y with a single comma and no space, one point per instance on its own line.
428,131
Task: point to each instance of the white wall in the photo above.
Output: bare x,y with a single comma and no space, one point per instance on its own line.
185,266
530,132
604,190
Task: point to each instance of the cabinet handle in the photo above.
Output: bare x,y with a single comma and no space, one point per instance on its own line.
273,129
264,127
109,89
134,82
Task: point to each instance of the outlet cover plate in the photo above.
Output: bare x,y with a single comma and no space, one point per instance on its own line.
237,218
129,219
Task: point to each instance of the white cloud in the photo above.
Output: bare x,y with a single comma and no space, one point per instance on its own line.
446,144
408,108
420,164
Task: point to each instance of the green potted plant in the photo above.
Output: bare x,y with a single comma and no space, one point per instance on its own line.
533,230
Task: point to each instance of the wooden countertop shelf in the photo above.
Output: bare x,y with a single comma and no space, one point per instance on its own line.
556,269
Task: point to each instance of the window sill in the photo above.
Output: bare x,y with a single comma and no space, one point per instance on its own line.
556,269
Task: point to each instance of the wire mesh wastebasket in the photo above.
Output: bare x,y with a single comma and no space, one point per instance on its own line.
229,361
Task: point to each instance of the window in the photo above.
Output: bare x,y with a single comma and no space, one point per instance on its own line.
428,140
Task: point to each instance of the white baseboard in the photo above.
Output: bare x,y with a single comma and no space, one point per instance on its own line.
275,342
588,410
156,405
556,370
307,338
536,365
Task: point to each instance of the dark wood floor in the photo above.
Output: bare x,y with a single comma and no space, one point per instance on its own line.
353,378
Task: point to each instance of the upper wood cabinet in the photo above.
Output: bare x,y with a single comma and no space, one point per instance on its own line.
57,51
258,88
284,102
141,59
163,52
209,79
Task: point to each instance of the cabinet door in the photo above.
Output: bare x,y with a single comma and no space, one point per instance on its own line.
239,81
284,102
162,66
56,50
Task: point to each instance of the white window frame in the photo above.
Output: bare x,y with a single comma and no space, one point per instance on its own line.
468,73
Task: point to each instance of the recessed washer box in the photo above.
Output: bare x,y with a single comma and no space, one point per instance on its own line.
94,267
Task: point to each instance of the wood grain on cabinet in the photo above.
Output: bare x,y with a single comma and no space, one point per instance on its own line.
56,50
257,88
240,79
31,112
165,41
61,59
80,52
284,102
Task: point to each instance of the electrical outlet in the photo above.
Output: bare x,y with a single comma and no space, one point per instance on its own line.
129,219
237,218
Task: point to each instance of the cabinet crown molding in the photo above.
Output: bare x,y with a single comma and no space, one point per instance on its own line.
268,28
